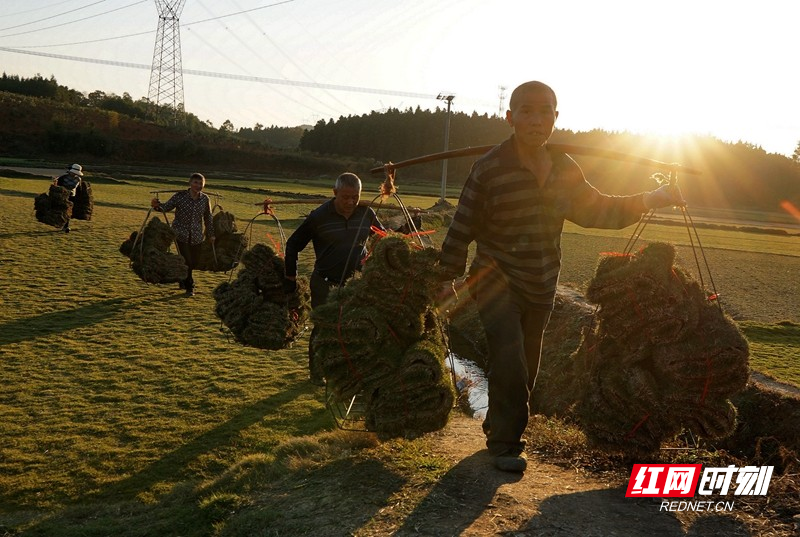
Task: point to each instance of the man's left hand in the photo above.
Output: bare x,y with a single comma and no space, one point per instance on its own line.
663,196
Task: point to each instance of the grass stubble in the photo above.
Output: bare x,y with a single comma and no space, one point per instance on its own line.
125,410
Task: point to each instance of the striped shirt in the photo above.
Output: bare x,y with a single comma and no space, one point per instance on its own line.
338,241
517,224
190,214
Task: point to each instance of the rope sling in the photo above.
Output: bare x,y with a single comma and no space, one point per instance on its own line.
256,309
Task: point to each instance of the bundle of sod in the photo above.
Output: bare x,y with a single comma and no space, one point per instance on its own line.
659,358
378,337
256,308
84,202
150,257
228,245
53,207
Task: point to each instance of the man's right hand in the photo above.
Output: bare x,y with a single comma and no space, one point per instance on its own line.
290,284
154,203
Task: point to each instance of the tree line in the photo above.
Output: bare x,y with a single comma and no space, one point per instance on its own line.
734,174
740,174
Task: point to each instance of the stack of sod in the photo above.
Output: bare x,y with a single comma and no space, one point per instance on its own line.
53,208
378,337
256,307
228,245
661,357
150,257
84,201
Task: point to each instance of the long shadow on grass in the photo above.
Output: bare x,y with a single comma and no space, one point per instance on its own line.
335,500
57,322
175,465
458,499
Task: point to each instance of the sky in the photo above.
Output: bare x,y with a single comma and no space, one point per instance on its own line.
725,68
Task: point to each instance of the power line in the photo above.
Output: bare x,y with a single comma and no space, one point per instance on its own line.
51,16
73,22
127,35
258,55
244,78
237,13
35,9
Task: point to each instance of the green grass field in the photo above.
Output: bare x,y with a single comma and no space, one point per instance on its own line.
125,410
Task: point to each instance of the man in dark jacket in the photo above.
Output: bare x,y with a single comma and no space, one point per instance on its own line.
338,229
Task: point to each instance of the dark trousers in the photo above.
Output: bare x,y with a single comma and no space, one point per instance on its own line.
514,330
191,254
71,199
320,289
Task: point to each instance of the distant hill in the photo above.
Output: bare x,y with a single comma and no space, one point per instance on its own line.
41,128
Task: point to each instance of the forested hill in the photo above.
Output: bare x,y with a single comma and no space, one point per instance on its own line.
41,119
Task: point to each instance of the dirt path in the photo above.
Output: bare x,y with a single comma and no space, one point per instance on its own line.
474,499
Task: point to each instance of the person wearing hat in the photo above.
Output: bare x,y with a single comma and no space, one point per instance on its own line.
70,181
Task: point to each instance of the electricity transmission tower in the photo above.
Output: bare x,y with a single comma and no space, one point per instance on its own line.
501,112
166,75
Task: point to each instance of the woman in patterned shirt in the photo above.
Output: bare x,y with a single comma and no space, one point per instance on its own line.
192,209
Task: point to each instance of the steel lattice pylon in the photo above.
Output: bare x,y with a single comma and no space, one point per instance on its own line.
166,76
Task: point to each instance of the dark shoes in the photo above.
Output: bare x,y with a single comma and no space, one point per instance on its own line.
511,462
65,229
190,292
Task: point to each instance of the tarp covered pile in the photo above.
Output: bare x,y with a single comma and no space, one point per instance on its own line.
228,245
257,308
661,356
150,257
379,338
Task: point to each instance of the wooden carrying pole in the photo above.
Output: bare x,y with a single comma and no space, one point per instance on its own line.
319,201
561,148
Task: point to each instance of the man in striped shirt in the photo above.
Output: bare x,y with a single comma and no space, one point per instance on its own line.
192,210
513,205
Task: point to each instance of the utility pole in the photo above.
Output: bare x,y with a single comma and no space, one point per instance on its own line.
166,75
449,98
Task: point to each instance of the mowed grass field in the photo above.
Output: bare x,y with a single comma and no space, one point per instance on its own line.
125,409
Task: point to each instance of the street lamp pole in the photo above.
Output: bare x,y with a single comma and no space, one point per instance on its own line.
449,98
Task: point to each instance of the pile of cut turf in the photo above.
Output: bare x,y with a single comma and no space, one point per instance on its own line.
228,247
83,206
379,338
660,357
53,207
257,308
150,257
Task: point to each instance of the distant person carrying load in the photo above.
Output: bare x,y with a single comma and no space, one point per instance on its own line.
339,229
192,210
70,182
